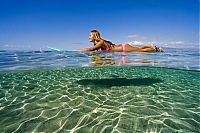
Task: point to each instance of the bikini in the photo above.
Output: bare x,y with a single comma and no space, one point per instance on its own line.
105,49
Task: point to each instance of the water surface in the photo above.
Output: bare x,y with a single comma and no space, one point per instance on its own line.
99,92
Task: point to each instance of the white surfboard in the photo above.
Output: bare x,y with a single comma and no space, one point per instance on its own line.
57,49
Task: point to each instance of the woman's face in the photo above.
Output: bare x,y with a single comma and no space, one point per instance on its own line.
91,37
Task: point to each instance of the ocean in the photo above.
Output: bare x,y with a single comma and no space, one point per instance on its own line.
83,92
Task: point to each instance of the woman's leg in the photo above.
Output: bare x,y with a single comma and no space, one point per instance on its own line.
143,48
151,48
129,48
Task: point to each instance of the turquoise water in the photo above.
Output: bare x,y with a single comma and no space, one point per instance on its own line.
99,92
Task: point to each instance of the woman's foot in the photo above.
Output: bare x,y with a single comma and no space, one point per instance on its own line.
160,49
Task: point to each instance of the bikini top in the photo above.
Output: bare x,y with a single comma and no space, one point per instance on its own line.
107,49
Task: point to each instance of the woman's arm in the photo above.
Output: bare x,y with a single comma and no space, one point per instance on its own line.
95,47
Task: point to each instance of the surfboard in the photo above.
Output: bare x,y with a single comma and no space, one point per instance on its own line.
57,49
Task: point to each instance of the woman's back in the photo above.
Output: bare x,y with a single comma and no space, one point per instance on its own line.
107,46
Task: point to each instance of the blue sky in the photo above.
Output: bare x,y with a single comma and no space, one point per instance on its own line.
34,24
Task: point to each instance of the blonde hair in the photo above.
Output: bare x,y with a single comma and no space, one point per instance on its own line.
96,34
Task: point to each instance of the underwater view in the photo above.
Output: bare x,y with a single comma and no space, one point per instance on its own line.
83,92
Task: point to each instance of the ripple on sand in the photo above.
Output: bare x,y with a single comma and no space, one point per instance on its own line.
109,99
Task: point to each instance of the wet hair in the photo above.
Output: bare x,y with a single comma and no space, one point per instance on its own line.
96,34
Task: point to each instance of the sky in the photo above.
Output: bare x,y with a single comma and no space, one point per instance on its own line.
65,24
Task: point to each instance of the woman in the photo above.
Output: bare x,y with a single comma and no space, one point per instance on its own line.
107,46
